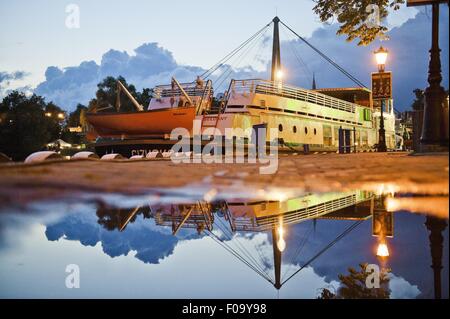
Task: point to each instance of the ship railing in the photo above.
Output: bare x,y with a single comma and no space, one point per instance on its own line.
296,216
273,88
191,89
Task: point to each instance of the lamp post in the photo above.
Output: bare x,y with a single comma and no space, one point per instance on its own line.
433,138
381,56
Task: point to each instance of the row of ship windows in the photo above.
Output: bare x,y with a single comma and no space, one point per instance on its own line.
294,129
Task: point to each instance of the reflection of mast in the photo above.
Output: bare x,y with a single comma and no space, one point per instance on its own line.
276,258
130,216
436,226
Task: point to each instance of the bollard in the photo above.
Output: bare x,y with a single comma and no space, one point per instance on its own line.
113,156
85,154
42,156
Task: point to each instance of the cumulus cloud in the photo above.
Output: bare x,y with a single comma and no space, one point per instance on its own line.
151,64
402,289
7,77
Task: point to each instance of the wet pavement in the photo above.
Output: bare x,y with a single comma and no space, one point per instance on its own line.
155,229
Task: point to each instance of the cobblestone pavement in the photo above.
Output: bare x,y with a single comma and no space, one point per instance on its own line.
389,172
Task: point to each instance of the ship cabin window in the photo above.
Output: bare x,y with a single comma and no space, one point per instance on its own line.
306,130
280,128
294,129
315,132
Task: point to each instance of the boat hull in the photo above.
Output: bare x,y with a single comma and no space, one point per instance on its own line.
147,123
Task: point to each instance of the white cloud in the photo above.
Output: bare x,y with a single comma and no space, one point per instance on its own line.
402,289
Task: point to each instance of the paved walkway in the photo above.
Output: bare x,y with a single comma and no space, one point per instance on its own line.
390,172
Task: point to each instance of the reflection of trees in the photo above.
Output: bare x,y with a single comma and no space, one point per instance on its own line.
118,218
353,286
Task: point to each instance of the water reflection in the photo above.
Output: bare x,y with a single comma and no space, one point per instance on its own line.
279,240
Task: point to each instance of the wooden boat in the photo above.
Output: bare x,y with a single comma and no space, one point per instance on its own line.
145,123
172,106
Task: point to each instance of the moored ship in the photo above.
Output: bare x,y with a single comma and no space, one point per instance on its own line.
321,119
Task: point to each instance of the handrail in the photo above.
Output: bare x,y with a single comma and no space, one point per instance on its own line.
272,88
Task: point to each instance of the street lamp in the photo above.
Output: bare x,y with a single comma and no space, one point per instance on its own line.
381,56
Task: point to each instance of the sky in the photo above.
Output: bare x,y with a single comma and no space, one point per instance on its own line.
181,38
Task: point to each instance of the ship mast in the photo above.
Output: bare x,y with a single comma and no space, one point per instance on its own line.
276,64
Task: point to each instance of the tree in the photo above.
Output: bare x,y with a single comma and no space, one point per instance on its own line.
358,19
106,96
353,286
27,124
144,97
75,119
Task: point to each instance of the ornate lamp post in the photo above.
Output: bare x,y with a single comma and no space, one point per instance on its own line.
381,56
432,134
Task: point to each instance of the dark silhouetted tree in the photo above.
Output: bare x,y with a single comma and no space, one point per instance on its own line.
353,286
24,126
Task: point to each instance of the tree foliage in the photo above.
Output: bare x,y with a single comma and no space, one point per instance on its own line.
106,95
353,286
77,118
357,18
24,125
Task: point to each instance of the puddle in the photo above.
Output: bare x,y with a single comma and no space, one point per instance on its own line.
200,242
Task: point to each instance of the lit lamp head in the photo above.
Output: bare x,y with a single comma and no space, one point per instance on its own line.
381,56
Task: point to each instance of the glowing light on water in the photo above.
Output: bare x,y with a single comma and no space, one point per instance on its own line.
382,250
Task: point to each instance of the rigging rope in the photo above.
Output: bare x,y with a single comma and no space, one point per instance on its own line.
332,243
230,250
229,70
299,249
351,77
232,53
297,56
243,250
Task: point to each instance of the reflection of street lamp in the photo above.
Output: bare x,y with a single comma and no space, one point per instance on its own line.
381,56
382,250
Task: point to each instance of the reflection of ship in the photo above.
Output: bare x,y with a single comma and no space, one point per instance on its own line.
223,220
321,118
